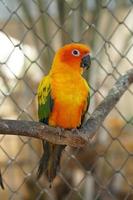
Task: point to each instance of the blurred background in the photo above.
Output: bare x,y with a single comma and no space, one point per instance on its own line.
30,33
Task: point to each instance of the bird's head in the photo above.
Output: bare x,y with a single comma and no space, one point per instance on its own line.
72,57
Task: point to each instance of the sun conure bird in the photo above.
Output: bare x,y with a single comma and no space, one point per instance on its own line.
63,99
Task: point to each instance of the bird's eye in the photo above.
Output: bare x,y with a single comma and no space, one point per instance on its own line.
75,52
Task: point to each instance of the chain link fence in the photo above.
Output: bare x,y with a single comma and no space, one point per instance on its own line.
30,33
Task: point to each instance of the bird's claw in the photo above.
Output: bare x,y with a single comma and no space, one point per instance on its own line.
75,131
60,130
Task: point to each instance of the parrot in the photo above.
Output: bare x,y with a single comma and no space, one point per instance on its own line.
1,181
63,99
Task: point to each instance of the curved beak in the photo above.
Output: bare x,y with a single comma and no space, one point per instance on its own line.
85,61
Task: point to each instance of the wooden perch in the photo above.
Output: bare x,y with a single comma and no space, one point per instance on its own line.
67,137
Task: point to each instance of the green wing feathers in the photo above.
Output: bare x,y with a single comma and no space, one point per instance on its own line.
85,110
45,102
50,159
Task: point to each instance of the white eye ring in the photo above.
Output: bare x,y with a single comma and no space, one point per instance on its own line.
75,52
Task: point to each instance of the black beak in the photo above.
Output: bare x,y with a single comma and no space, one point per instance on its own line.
85,61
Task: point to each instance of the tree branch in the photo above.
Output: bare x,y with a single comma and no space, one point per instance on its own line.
72,138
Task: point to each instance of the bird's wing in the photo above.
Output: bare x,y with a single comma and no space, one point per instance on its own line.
45,101
86,104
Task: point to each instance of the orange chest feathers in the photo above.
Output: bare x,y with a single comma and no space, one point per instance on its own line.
70,95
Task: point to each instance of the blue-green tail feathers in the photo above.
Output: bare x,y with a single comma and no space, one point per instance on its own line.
50,160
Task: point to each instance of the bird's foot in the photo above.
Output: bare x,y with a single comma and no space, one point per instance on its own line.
60,131
75,131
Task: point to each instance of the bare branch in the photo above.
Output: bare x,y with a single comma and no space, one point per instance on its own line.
72,138
40,131
103,109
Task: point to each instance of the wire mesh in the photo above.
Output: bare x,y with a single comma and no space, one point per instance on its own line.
30,33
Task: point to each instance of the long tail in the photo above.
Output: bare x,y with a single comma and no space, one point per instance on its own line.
1,182
50,160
